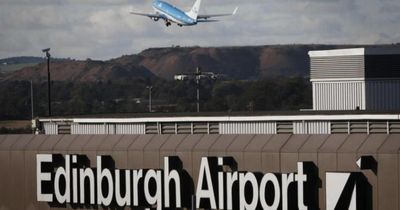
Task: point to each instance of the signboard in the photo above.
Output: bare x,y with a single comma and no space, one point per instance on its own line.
71,179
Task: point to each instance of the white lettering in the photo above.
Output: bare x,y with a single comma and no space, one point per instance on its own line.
89,174
74,180
168,176
286,180
231,178
300,178
277,193
209,192
41,177
252,180
104,175
221,184
126,200
137,175
156,198
63,172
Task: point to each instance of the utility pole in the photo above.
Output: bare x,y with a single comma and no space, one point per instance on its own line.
150,89
198,75
48,78
32,101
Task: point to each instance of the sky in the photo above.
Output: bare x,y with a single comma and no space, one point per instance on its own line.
104,29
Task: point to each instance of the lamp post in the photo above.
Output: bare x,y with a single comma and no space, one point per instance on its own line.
48,78
150,89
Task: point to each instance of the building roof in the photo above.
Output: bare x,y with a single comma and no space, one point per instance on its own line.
356,51
228,117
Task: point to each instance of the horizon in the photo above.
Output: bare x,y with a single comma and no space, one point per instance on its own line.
227,46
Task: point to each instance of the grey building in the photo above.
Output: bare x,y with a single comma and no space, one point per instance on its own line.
360,78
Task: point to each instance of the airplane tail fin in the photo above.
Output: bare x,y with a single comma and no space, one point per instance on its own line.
195,10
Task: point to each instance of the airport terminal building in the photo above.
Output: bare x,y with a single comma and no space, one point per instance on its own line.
342,154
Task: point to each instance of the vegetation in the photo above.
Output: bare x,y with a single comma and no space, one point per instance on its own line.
26,130
8,65
22,60
70,98
15,127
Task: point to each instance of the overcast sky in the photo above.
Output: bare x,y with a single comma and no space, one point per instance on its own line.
103,29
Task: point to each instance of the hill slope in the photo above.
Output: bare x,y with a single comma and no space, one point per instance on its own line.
22,60
243,63
81,71
8,65
252,62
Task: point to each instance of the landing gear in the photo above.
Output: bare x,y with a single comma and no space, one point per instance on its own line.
180,25
167,24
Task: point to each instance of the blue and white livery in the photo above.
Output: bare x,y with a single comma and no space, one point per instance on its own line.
171,14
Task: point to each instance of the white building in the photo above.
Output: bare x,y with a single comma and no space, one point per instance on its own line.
352,79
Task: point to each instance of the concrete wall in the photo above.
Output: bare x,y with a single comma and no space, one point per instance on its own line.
257,153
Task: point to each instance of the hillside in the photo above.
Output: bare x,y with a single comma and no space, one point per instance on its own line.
8,65
243,63
234,62
21,60
82,71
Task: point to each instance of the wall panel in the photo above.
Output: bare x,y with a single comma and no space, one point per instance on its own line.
257,153
337,67
340,95
383,94
247,127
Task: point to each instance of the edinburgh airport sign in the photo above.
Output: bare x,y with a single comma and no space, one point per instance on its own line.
70,179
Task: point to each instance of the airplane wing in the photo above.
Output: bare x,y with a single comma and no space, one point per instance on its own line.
205,17
148,15
207,21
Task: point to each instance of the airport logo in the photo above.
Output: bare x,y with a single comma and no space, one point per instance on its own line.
350,190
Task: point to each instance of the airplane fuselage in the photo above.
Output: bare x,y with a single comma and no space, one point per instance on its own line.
173,13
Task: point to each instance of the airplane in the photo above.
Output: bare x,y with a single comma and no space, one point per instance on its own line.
171,14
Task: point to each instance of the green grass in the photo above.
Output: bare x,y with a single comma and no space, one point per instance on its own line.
14,67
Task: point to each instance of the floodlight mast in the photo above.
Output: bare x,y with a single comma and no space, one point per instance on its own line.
197,76
48,79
